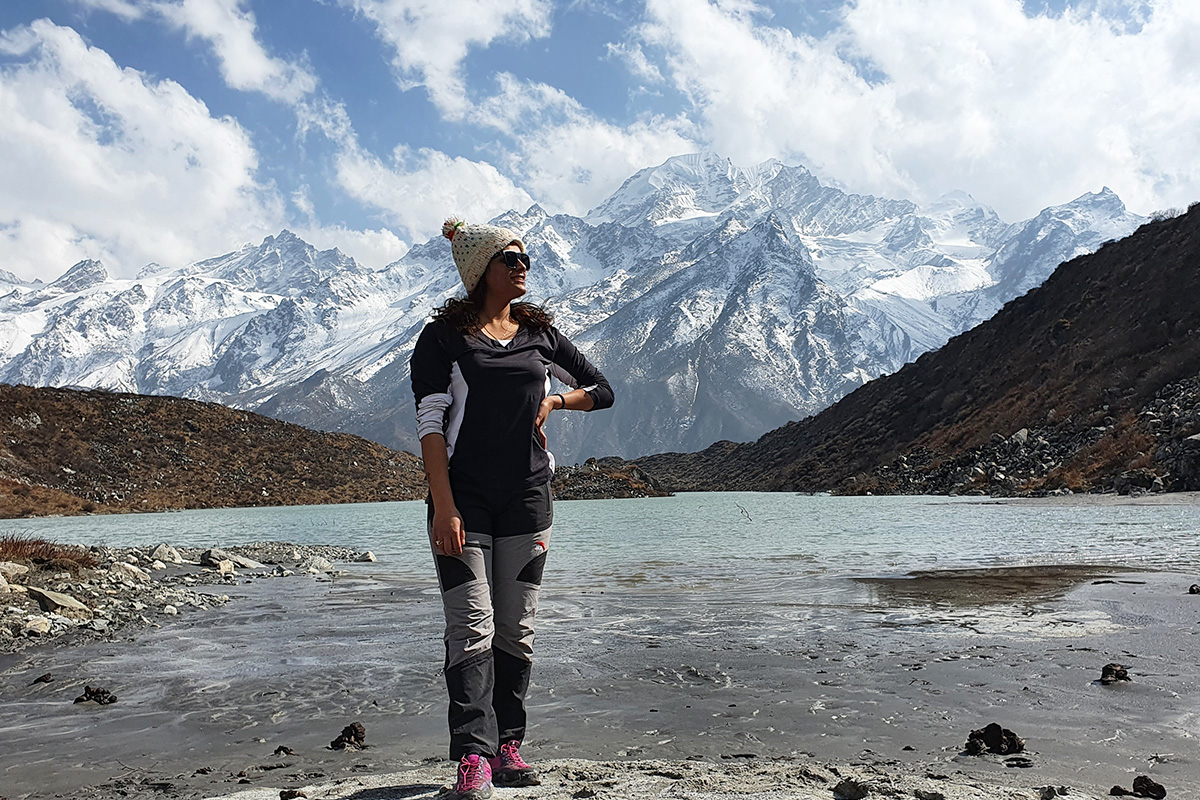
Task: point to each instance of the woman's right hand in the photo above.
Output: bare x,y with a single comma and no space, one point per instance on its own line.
448,534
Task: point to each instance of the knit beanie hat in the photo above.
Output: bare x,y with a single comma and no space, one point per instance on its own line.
473,246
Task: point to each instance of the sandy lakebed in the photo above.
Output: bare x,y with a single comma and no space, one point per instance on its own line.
242,699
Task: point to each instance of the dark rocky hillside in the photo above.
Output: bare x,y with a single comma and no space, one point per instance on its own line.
64,451
1089,382
602,479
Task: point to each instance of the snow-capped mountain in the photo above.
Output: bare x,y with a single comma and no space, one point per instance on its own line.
720,302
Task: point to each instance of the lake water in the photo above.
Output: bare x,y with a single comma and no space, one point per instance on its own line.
723,544
696,625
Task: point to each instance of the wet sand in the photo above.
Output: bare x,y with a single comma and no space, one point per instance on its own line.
636,693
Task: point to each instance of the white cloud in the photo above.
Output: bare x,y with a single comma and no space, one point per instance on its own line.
102,162
565,155
417,190
431,38
763,92
371,248
128,9
230,28
1022,111
413,190
245,64
631,54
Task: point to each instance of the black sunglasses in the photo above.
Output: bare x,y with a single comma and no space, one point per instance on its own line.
513,259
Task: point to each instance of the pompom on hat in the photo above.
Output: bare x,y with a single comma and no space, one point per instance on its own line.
473,246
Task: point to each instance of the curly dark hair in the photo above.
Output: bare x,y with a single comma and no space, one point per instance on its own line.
462,313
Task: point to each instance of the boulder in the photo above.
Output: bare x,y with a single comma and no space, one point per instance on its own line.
1140,478
225,567
10,570
158,566
1112,673
994,739
353,736
213,558
315,564
37,626
851,789
367,556
3,585
166,553
60,603
96,694
128,573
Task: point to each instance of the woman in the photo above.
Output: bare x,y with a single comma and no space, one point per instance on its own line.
481,375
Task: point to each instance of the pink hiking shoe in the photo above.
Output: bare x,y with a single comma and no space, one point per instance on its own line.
474,779
509,769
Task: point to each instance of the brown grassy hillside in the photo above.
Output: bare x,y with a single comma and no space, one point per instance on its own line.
1088,350
64,451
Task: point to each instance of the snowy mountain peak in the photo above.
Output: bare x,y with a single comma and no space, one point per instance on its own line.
84,275
681,188
720,301
283,263
516,221
951,203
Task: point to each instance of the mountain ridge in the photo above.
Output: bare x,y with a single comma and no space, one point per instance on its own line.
663,285
1094,355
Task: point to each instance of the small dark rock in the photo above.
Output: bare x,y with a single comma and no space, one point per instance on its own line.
95,694
1021,762
1145,786
994,739
291,794
585,792
1111,673
284,751
42,679
925,794
1194,588
353,736
1051,792
850,789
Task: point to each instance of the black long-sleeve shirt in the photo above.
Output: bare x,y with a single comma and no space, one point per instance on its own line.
483,397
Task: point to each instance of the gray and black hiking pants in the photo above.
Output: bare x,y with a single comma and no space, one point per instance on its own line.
489,595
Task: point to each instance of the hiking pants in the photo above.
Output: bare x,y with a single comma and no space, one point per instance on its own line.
489,595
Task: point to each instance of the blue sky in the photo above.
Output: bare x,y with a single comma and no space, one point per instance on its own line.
172,130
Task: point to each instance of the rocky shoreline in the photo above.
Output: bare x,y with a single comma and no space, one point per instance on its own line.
605,479
128,588
1158,450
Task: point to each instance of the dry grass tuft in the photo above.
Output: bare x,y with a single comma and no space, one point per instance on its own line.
41,553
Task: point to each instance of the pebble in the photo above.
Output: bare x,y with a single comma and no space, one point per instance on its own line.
129,572
10,570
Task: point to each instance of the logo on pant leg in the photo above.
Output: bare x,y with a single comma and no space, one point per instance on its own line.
532,572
